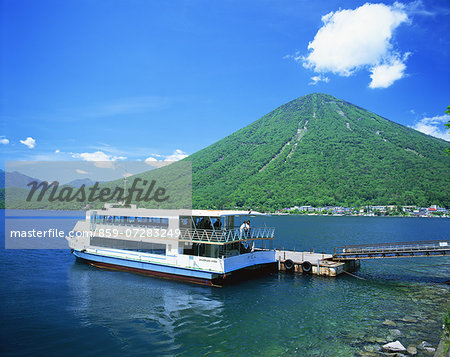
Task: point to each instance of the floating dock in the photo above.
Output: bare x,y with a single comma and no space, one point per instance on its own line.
313,263
428,248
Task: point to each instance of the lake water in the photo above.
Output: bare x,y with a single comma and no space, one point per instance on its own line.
52,305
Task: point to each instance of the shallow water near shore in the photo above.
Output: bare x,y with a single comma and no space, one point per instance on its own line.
50,304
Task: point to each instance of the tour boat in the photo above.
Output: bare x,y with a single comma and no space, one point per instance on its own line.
209,247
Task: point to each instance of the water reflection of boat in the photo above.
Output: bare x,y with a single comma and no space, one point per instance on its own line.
200,246
156,312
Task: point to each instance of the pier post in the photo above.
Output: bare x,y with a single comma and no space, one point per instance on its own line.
318,266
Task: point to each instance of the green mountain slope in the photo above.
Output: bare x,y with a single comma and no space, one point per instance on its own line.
321,150
316,150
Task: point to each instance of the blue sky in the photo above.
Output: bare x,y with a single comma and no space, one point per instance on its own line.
131,80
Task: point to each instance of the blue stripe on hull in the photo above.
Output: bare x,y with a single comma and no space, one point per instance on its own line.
144,266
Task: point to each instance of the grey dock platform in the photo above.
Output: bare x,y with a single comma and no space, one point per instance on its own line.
313,263
346,259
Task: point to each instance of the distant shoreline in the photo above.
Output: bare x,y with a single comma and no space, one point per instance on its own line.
356,215
246,211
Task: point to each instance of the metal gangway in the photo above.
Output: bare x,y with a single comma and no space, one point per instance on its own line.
429,248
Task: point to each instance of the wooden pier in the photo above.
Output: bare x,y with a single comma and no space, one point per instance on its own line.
347,259
313,263
430,248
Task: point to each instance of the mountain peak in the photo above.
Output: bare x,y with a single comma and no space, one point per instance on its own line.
321,150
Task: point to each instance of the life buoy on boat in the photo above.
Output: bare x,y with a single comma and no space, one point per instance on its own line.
307,268
289,265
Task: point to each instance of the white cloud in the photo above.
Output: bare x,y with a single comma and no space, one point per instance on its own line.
434,126
3,140
99,157
165,160
418,8
177,155
319,78
57,151
351,40
384,75
29,142
155,162
93,156
149,160
81,172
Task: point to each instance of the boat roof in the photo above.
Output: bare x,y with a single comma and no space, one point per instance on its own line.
145,212
219,213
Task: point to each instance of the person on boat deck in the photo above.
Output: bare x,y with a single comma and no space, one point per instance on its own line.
202,223
243,229
217,224
248,228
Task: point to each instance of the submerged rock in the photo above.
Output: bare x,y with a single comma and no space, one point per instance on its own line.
367,354
389,323
395,332
429,349
424,344
394,347
373,339
372,348
409,319
411,350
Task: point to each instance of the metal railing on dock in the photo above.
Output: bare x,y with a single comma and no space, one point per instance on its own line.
393,250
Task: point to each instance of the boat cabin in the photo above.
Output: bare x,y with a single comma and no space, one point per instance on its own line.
202,233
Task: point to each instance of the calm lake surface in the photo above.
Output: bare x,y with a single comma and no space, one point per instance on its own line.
52,305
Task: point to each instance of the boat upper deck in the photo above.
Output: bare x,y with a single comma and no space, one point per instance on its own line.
191,226
132,210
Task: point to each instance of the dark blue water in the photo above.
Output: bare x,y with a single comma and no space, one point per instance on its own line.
50,304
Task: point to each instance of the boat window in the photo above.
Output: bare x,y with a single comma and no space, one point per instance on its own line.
123,244
216,223
154,222
202,250
185,222
202,222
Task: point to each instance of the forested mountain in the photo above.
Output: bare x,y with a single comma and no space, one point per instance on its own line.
320,150
15,179
80,182
315,150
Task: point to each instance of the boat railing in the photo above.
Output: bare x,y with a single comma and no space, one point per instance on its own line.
225,235
188,234
382,248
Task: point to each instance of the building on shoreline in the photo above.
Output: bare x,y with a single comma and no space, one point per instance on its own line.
379,210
